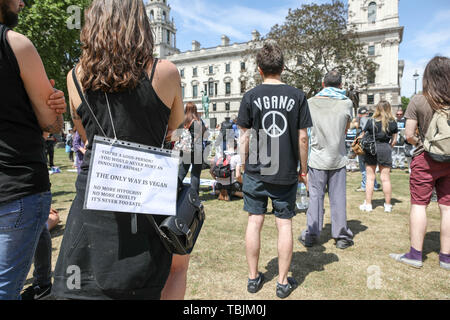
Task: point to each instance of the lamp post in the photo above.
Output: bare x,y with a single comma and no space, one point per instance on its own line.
416,77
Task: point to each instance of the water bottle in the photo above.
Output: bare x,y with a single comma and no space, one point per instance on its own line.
302,201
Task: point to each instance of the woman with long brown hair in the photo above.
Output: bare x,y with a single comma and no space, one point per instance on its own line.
121,90
384,128
427,173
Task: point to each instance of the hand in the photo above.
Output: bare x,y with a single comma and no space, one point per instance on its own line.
303,179
56,100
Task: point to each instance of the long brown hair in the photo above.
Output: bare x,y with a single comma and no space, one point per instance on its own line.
383,112
117,44
436,83
190,113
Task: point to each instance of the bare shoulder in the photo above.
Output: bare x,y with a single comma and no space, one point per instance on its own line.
18,42
167,70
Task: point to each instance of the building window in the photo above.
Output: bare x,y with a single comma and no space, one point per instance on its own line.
299,61
168,37
227,67
211,88
242,66
228,88
182,92
194,91
164,16
227,106
215,89
371,77
214,106
372,12
370,99
371,50
210,69
194,72
243,86
152,16
182,73
206,88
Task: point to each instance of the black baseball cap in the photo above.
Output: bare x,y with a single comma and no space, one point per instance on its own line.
362,110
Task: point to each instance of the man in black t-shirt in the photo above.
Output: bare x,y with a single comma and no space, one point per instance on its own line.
273,119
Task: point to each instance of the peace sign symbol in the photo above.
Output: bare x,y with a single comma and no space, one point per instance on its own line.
272,128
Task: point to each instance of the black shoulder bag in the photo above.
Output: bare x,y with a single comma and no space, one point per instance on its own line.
368,142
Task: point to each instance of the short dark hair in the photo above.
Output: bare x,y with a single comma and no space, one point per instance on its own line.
270,59
333,79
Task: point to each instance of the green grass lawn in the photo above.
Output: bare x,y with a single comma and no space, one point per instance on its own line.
218,268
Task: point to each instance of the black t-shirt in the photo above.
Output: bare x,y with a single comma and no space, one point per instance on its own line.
274,113
380,135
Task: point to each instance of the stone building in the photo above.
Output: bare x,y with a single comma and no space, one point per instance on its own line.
377,24
225,74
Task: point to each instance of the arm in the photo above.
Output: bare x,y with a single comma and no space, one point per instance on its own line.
410,132
394,140
244,145
303,154
74,102
36,83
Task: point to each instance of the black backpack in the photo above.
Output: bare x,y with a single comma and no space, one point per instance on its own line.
222,167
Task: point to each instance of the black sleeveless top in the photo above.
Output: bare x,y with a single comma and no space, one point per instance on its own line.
139,115
23,166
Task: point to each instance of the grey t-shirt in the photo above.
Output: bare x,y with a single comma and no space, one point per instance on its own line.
330,118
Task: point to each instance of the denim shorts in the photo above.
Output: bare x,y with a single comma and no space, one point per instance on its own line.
257,194
21,225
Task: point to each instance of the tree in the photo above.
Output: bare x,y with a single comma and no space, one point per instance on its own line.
47,23
405,103
316,39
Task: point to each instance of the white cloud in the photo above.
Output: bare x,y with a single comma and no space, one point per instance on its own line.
432,39
236,21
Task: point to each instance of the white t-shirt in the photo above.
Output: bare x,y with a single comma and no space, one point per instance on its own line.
234,163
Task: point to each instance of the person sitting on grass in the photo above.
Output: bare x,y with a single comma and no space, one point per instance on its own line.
231,186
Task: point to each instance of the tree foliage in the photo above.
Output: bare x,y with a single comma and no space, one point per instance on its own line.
405,103
316,39
44,22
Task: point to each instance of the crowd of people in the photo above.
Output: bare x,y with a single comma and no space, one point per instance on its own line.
121,91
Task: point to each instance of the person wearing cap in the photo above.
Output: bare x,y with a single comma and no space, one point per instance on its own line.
363,114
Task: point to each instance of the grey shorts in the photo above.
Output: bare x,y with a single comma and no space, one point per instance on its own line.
382,158
257,194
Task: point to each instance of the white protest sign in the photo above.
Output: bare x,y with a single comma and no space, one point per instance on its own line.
126,177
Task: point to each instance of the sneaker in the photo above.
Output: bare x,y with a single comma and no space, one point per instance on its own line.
344,244
366,207
307,242
360,190
36,293
284,290
410,262
444,265
254,285
388,208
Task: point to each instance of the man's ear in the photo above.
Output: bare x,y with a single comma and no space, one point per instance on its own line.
261,72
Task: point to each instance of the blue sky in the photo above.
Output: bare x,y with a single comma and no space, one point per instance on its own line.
427,26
